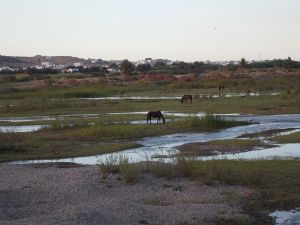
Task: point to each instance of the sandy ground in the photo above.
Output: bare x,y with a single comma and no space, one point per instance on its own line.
52,194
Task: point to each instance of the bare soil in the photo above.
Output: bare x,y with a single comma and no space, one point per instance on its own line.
71,194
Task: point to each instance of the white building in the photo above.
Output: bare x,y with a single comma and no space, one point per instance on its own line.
59,67
46,64
78,64
152,62
38,67
72,70
6,68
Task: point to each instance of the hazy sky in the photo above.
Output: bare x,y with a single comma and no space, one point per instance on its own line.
134,29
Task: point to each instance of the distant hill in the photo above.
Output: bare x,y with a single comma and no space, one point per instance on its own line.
8,60
16,61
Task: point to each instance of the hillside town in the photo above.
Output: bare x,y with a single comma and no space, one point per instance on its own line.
14,64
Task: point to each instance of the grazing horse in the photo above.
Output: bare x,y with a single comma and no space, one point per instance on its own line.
221,88
186,98
157,115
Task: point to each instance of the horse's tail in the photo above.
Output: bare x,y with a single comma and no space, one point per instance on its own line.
182,99
148,117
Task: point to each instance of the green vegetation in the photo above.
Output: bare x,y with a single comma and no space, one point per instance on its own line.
232,221
64,100
119,164
257,105
73,138
243,63
127,67
276,181
41,145
290,138
127,131
243,143
208,122
265,134
220,146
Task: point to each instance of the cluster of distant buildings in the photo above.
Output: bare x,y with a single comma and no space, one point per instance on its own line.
75,67
61,67
153,62
48,65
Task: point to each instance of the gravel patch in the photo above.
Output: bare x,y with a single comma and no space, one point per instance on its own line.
64,195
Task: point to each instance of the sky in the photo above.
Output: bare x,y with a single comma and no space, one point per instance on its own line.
189,30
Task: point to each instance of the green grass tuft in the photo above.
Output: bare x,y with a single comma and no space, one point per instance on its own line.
290,138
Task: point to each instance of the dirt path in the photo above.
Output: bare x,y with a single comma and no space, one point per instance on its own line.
32,194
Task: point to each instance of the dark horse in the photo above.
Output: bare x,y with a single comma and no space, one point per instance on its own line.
221,89
186,98
157,115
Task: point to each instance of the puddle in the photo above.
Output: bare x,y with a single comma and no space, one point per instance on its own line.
20,129
291,217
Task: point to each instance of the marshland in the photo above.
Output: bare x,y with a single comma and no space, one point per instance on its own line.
229,158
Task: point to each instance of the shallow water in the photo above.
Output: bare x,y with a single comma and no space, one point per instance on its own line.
291,217
285,151
21,129
165,145
46,118
227,95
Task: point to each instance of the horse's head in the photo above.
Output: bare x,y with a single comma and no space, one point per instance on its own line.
164,120
182,99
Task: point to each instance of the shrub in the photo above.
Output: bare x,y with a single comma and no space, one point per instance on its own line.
118,164
110,165
127,170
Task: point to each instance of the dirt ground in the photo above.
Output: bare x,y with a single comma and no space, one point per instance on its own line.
68,194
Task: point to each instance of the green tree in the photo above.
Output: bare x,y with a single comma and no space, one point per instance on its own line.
127,67
243,63
143,67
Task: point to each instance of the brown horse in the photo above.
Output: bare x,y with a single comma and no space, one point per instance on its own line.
157,115
221,89
186,99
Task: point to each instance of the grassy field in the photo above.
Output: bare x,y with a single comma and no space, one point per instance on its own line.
59,100
285,103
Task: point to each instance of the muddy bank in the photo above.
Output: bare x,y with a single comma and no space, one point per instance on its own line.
68,194
221,147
